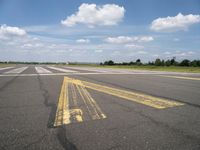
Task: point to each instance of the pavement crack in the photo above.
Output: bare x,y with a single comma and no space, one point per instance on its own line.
51,105
61,131
35,142
66,144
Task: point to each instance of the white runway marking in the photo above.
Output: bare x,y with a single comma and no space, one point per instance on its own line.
93,73
42,70
89,69
18,70
62,70
4,68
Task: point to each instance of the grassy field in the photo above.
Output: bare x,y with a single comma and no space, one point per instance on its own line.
151,68
6,65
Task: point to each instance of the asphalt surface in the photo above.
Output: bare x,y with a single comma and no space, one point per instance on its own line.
29,102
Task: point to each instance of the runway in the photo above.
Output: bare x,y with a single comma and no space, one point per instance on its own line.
87,108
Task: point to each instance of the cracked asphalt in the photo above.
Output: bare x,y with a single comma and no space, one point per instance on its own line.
28,107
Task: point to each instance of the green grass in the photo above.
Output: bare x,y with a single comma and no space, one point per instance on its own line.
151,68
6,65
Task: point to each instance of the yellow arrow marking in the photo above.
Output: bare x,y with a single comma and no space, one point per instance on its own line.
64,115
148,100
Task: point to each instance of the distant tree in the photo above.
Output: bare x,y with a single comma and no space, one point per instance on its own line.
158,62
110,62
198,63
185,62
163,62
173,61
124,63
150,63
106,63
193,63
138,62
132,63
167,63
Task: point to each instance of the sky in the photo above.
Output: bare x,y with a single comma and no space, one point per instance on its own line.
99,30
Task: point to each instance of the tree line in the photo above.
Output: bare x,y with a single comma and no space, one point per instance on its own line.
158,62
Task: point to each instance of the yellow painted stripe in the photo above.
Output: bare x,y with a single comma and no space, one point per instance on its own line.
76,114
84,100
181,77
62,113
94,110
74,96
95,105
98,114
148,100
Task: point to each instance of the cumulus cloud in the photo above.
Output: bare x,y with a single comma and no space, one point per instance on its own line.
155,55
167,53
93,15
6,31
176,23
179,53
134,46
83,41
142,52
128,39
98,51
189,53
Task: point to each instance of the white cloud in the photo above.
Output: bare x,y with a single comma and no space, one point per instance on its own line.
167,53
93,15
191,52
155,55
134,46
6,31
98,51
116,53
176,23
128,39
145,39
142,52
83,41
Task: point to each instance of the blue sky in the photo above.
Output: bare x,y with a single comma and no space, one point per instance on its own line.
94,31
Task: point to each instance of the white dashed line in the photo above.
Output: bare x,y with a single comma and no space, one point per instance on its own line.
62,70
89,69
18,70
42,70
